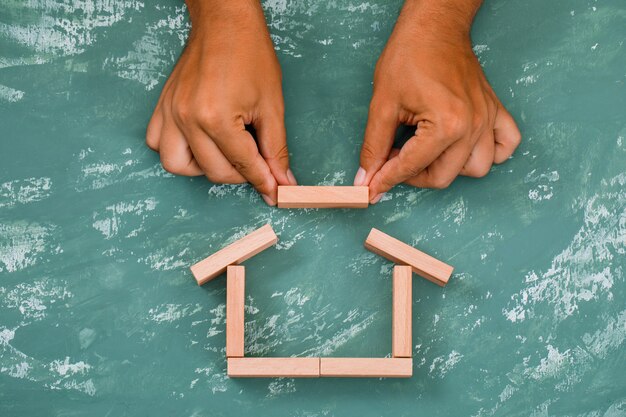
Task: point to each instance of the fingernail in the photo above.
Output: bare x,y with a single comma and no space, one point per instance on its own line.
268,200
291,178
377,198
359,179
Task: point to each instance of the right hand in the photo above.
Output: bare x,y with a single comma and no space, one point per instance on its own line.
227,77
429,77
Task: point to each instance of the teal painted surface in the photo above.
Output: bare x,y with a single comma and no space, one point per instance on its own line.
99,314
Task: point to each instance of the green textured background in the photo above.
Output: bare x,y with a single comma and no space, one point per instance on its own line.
100,316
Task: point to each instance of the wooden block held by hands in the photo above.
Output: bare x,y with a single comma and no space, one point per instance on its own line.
399,252
233,254
401,345
366,367
299,196
274,367
235,303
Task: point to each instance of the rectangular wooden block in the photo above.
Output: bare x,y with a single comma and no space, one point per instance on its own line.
274,367
401,253
299,196
401,345
366,367
233,254
235,301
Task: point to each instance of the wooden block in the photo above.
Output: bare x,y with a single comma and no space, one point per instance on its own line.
401,253
367,367
274,367
299,196
233,254
235,300
401,345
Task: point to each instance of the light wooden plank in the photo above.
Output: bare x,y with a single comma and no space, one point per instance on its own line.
274,367
401,253
401,346
299,196
235,303
233,254
366,367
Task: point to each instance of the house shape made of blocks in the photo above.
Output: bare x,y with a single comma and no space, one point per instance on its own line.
399,365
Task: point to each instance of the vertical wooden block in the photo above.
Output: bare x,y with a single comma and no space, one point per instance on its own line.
299,196
235,253
274,367
401,345
366,367
399,252
235,302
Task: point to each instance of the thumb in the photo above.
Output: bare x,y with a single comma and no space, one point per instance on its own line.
382,122
272,139
416,154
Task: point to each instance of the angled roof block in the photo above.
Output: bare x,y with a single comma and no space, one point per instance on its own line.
400,253
233,254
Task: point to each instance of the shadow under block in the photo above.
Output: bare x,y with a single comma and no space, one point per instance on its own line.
299,196
235,301
274,367
401,344
399,252
366,367
233,254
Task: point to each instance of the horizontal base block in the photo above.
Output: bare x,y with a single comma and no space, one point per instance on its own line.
300,196
273,367
366,367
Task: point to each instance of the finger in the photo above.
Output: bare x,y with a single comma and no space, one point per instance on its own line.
416,154
382,122
153,131
239,148
211,159
507,135
272,139
176,156
481,158
444,170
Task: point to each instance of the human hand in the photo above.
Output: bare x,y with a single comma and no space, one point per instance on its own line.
227,77
429,77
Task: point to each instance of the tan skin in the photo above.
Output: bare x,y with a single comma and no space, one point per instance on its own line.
227,77
427,76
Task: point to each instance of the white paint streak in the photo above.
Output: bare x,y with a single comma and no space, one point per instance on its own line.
54,35
10,95
585,270
115,217
22,244
24,191
168,313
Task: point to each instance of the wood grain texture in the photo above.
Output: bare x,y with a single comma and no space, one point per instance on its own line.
399,252
401,345
274,367
366,367
235,303
300,196
233,254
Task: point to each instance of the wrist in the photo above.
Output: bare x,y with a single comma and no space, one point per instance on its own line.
438,20
208,14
